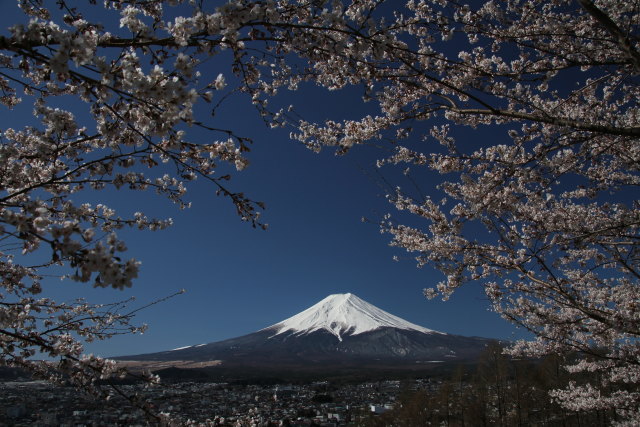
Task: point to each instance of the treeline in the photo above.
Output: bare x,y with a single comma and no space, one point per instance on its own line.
497,391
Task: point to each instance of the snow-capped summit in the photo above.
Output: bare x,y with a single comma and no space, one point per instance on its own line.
341,315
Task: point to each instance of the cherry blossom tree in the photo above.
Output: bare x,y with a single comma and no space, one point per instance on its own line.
542,212
135,93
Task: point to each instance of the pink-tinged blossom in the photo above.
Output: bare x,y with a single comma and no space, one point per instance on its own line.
219,82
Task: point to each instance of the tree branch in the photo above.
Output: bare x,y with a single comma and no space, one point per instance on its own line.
621,38
558,121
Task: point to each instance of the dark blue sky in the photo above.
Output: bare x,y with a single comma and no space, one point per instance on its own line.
239,279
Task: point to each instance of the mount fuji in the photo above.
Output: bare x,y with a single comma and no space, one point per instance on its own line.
341,329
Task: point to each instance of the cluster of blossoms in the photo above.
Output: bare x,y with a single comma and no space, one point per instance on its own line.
553,188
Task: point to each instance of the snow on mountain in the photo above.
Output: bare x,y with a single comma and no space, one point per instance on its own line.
341,315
